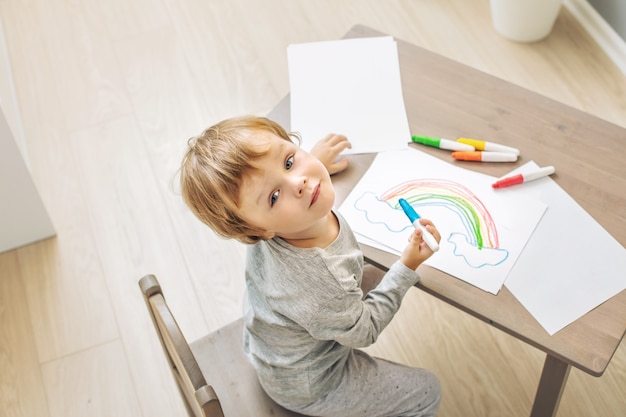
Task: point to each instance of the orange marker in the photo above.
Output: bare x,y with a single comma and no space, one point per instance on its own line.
485,156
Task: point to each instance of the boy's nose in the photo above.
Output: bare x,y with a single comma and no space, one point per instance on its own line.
299,185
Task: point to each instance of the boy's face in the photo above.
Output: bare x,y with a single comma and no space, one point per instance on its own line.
290,195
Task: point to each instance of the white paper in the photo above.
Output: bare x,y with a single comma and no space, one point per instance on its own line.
350,87
571,264
482,231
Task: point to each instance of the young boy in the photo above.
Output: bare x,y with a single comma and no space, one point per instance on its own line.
305,313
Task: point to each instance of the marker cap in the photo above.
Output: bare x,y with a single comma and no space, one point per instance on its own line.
427,140
508,181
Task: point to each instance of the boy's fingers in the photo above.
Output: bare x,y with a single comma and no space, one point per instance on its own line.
338,166
417,234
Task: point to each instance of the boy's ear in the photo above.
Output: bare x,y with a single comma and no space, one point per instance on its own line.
268,235
265,234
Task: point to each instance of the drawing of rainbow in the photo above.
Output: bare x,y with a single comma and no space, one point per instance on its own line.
474,238
474,216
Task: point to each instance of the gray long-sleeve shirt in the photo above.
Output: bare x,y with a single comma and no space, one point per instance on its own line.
304,312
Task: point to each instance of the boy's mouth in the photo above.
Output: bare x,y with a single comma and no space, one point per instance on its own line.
316,194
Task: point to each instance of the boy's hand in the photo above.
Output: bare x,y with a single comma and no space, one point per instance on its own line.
417,251
328,149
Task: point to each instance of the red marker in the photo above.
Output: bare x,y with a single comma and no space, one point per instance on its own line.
521,178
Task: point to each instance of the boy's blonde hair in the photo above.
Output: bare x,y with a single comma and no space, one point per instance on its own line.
213,169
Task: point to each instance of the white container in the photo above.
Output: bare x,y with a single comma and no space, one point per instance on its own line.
524,20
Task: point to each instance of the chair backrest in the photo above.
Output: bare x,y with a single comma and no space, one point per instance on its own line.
200,398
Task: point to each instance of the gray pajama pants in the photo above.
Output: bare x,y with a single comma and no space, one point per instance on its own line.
372,387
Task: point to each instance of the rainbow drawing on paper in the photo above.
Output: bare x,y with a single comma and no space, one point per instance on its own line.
475,236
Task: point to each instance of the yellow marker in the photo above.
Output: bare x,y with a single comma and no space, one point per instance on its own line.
481,145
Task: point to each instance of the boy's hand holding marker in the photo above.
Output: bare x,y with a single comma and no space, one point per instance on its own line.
414,218
466,149
423,242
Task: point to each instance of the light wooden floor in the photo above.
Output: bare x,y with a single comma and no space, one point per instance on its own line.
109,92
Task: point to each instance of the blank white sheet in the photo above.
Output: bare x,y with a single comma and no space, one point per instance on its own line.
571,263
350,87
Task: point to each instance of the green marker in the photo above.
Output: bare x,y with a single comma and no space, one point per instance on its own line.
442,143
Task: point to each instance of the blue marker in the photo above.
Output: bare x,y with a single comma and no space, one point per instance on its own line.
415,219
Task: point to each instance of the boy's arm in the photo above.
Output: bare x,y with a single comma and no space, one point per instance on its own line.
357,323
328,149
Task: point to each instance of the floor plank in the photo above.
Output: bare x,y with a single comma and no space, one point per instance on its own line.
94,382
169,111
21,387
69,312
135,238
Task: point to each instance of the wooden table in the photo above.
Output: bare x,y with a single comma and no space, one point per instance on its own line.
446,97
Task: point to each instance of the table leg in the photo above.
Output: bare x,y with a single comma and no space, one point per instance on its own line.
551,385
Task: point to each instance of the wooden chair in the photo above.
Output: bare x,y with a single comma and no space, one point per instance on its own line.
213,374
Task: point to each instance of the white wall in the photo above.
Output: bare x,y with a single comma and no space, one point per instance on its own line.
23,217
614,12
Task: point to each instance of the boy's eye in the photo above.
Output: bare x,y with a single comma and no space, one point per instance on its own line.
274,198
289,162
